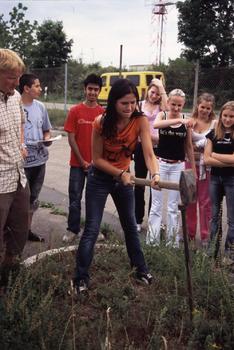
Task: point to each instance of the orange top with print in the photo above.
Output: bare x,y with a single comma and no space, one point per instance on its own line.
119,149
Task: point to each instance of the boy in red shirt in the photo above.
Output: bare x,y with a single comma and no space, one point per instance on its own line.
79,128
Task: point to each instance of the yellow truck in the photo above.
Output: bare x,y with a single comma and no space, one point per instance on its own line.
141,79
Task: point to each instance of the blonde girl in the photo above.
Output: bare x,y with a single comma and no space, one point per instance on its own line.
175,142
219,154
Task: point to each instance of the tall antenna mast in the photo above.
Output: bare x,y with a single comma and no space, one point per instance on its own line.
160,10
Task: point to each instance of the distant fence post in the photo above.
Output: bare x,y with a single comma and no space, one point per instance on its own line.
195,91
65,87
120,60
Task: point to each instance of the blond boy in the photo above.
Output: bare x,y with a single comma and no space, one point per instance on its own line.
14,191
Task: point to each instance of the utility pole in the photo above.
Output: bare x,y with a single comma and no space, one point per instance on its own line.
160,10
65,87
120,60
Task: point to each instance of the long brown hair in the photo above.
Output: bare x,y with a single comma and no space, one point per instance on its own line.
220,130
119,89
208,98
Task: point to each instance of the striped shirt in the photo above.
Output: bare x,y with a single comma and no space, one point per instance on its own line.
11,160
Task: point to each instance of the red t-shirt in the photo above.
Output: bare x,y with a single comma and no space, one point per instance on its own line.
79,121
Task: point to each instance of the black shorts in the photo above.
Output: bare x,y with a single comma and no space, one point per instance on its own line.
35,176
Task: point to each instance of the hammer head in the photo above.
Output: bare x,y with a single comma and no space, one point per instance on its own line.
187,186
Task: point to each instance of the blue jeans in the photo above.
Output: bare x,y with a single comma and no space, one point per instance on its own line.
76,186
220,186
99,185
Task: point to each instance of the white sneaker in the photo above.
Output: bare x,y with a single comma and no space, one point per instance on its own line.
69,237
138,228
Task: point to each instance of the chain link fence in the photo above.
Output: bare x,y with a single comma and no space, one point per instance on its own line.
59,89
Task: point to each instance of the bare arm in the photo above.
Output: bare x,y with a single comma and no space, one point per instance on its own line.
75,148
22,134
161,89
154,139
225,158
46,135
164,123
189,150
150,159
209,160
163,103
23,148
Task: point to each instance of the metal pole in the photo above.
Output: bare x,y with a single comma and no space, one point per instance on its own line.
161,39
65,88
196,84
182,208
120,60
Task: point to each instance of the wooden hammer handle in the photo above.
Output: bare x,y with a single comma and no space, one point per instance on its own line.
162,184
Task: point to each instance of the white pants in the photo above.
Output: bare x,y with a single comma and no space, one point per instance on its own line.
168,172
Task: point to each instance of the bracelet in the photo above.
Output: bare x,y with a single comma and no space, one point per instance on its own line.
121,173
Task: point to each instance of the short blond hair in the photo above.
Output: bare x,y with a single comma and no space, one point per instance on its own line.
9,60
177,92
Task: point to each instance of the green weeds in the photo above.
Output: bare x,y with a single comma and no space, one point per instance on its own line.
119,312
54,210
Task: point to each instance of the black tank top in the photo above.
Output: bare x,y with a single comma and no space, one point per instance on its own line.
171,143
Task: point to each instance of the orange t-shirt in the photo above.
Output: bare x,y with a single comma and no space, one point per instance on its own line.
79,121
119,149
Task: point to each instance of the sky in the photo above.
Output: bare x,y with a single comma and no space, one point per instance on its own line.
99,27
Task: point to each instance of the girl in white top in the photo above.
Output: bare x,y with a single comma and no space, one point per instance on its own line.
204,120
155,101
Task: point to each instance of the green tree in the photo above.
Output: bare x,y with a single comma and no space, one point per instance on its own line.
53,49
206,28
180,74
4,34
22,33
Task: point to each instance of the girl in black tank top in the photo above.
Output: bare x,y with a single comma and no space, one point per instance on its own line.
175,143
172,142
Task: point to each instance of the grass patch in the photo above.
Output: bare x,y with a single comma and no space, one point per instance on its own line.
57,117
118,312
53,209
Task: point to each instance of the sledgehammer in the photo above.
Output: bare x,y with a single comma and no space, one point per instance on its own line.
186,186
187,189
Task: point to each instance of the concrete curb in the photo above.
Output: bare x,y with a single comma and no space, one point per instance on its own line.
35,258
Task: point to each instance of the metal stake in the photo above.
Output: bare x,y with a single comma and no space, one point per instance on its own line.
182,208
